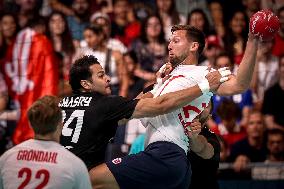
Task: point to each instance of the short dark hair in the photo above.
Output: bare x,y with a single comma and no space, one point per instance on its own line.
224,54
275,132
44,115
193,34
132,55
96,28
228,109
80,70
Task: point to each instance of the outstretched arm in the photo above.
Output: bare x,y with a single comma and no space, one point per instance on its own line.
241,82
150,107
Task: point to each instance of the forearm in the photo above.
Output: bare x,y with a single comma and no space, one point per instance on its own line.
56,5
166,103
270,123
201,147
177,99
241,82
123,89
9,115
246,68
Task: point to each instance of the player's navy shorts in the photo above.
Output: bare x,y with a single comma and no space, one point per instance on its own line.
163,165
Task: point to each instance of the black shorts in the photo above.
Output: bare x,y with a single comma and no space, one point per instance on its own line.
162,165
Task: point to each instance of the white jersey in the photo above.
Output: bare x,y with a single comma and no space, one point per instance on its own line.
42,164
171,127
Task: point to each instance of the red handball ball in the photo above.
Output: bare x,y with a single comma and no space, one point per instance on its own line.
264,24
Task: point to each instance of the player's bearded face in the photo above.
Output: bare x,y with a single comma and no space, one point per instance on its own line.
178,47
175,60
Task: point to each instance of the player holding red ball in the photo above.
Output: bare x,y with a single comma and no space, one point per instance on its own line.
163,164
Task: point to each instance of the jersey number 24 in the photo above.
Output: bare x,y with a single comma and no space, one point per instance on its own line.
78,115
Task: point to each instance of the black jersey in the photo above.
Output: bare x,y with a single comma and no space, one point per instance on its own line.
90,121
204,171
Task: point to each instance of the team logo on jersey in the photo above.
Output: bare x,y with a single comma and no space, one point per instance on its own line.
116,161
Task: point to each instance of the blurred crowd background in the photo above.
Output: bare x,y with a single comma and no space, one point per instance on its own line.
40,39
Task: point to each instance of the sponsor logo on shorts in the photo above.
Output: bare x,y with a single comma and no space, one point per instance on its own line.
116,160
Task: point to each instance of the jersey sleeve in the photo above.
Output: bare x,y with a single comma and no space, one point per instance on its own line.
213,140
2,162
118,108
175,83
82,179
148,89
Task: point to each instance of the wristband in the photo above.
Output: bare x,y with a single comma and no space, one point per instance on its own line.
223,79
224,71
204,86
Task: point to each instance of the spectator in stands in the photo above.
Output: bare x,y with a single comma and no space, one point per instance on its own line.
212,49
279,38
224,152
8,31
273,101
243,100
123,27
9,114
136,83
31,71
79,20
236,36
28,10
216,10
62,6
151,47
252,148
275,146
272,5
60,37
3,104
229,128
266,73
251,6
198,19
169,15
103,20
42,161
111,61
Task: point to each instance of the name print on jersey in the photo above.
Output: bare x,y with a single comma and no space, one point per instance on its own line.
75,101
37,155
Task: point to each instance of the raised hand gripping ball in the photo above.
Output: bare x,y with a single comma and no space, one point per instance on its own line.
264,24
